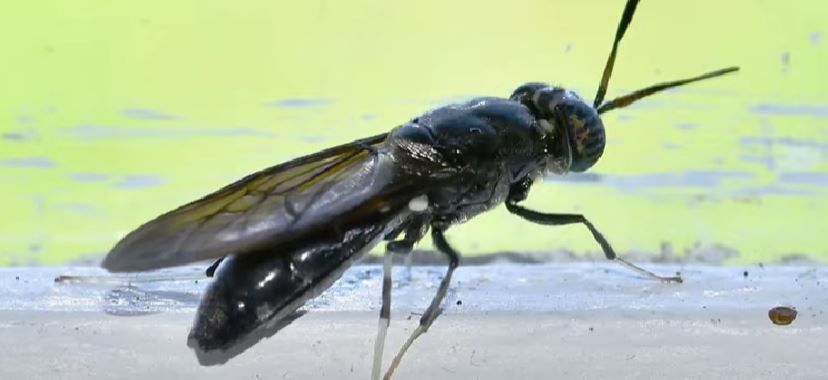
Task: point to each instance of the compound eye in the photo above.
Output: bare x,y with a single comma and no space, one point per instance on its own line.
586,134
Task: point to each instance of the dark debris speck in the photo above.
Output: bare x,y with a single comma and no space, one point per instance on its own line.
459,302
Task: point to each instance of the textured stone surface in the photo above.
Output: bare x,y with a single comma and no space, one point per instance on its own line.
552,321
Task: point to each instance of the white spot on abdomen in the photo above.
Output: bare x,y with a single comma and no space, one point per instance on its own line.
418,204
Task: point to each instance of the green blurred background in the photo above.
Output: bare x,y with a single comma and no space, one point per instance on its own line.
112,112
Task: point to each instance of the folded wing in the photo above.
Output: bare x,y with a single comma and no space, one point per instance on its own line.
267,207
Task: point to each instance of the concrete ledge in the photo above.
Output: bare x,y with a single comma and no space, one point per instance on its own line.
553,321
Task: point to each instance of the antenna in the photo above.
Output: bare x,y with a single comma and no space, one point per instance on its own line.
630,98
626,18
623,101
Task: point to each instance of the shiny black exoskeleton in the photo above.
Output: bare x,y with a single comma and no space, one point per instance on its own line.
491,148
504,144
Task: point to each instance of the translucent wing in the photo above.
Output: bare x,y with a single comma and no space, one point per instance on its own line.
274,205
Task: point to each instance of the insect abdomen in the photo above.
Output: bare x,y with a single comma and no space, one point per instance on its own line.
256,294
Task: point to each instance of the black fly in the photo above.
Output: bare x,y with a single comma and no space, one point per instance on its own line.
288,232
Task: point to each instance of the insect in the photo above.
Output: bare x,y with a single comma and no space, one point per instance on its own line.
286,233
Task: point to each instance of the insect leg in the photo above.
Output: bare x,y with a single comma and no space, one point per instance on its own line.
385,314
211,270
434,308
415,228
562,219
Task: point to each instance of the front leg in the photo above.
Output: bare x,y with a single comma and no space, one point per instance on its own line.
563,219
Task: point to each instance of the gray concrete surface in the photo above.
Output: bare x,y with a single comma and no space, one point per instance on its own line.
502,321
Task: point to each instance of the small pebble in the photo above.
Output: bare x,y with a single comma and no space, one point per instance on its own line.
782,315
